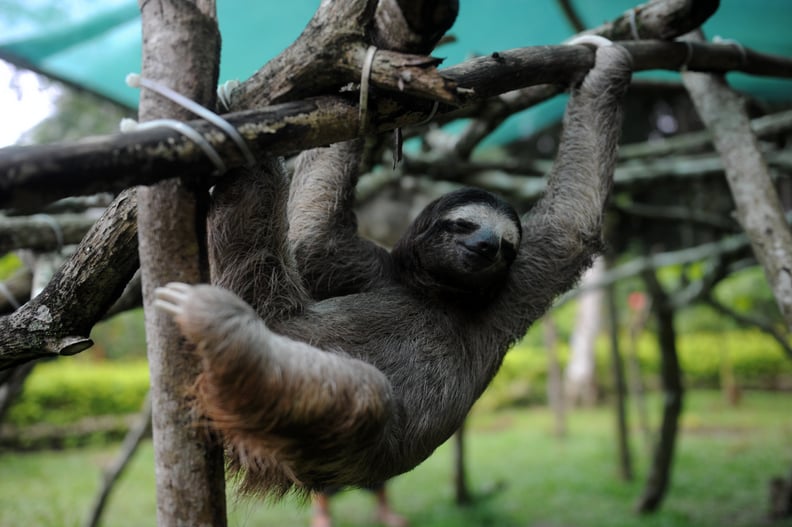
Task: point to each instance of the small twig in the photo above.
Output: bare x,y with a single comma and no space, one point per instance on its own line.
571,15
748,320
39,233
767,125
674,213
128,448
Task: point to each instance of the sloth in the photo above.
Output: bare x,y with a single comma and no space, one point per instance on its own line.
330,361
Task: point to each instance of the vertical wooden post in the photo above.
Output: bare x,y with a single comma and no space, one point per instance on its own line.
181,45
759,208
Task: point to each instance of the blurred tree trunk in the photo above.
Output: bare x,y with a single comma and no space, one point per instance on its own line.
673,392
555,380
580,382
181,46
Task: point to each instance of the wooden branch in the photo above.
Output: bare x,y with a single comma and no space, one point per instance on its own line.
42,232
759,209
664,19
571,15
30,176
77,204
752,321
522,181
412,26
12,381
307,66
659,19
331,51
674,213
131,298
767,125
58,321
728,246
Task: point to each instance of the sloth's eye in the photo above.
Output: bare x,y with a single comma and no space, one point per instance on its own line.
461,226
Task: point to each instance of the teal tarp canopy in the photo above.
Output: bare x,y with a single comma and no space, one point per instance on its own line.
94,44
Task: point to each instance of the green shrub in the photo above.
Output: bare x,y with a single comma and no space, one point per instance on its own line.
66,390
753,358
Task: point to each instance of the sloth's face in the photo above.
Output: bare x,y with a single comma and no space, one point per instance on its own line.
471,246
461,244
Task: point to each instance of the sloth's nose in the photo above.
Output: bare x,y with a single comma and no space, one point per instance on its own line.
484,243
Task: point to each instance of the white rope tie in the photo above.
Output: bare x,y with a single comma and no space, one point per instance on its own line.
136,81
365,76
634,25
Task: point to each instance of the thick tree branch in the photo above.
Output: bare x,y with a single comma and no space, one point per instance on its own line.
59,320
412,26
664,19
307,66
30,176
659,19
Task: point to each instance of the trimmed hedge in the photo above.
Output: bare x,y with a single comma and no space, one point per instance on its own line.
753,358
67,390
64,391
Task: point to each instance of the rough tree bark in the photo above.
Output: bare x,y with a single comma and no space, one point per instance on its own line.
181,46
759,209
59,320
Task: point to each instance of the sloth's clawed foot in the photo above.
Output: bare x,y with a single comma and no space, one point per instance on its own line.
171,298
203,312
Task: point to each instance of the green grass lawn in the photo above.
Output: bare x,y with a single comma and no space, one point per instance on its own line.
521,474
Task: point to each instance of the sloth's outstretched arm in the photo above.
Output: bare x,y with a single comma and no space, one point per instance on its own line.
563,232
332,259
268,394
